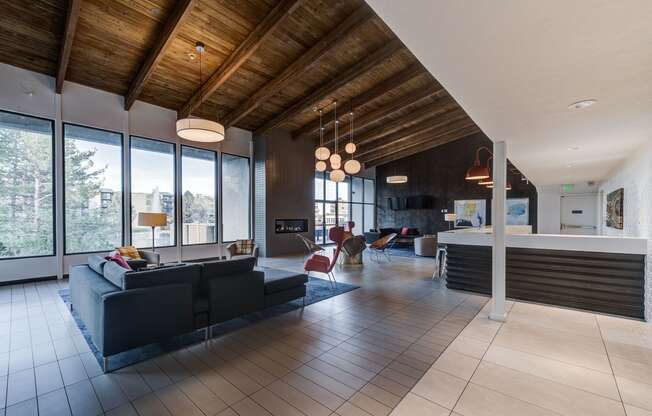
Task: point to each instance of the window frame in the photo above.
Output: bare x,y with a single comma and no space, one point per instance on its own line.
63,181
221,192
54,187
336,201
175,180
217,202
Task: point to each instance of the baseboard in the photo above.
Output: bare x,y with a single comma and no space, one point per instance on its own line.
30,280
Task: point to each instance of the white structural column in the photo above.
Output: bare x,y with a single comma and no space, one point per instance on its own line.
498,224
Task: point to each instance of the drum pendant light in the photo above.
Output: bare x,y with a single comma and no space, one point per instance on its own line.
199,129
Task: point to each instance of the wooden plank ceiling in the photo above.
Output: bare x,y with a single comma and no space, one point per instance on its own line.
268,64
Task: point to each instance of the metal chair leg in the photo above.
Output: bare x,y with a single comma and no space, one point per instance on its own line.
105,364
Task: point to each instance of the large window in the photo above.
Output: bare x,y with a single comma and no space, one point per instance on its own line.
152,190
92,189
26,186
198,190
338,203
236,186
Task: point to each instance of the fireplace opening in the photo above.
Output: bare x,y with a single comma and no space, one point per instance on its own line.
285,226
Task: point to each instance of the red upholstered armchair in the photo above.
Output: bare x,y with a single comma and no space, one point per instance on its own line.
323,264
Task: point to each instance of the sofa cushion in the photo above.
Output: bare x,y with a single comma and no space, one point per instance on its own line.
405,231
96,263
115,273
182,273
280,280
228,267
413,231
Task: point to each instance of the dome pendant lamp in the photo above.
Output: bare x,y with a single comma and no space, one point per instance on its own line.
200,129
477,171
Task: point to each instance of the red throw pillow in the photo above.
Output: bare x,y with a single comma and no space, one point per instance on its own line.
121,262
404,231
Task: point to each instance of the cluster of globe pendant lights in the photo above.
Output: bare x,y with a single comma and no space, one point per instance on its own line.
323,153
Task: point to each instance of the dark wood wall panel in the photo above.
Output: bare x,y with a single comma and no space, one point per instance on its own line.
601,282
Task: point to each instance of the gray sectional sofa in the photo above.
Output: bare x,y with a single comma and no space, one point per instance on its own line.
124,309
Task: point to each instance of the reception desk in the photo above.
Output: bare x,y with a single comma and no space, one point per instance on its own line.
596,273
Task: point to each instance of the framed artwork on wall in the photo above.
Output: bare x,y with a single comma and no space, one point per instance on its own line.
615,208
470,213
517,211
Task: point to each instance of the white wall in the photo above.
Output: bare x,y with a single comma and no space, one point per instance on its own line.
635,177
549,204
27,92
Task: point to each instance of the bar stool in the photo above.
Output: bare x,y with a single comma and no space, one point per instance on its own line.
440,263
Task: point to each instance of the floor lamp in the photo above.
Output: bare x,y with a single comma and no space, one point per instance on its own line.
152,219
450,218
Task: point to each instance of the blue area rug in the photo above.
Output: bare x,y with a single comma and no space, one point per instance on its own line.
317,290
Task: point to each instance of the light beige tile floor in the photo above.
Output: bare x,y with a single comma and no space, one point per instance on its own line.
399,345
543,360
355,354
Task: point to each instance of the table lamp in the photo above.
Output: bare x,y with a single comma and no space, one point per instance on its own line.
152,219
450,218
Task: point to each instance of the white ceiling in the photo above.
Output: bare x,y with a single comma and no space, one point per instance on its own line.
516,65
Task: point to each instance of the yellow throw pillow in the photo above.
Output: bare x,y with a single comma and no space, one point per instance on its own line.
129,251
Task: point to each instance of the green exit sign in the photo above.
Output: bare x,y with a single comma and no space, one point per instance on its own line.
567,187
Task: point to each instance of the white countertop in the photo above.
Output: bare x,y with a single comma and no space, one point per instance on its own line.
594,243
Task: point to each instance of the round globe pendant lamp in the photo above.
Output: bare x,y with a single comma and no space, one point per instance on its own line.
337,175
199,129
336,160
352,167
322,153
350,148
320,166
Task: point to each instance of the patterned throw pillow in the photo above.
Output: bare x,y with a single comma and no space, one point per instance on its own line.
244,247
129,251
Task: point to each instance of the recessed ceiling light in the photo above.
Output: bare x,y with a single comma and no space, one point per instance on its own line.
155,11
582,104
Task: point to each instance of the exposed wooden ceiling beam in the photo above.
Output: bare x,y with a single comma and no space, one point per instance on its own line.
330,87
362,121
366,97
412,149
301,65
412,120
254,40
428,127
454,119
156,52
72,17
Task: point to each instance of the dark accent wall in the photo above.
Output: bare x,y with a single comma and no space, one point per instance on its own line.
284,185
439,174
